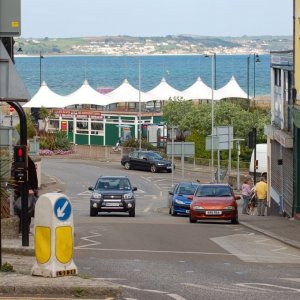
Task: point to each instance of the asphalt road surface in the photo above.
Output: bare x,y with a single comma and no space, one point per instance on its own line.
157,256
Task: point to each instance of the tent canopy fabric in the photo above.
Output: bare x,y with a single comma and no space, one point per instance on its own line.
127,93
230,90
86,95
46,98
199,90
163,91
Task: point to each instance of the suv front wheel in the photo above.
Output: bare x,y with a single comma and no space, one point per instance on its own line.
132,213
93,212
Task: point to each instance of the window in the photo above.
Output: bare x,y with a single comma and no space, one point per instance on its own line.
277,77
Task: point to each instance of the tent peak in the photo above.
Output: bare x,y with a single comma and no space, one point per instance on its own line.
85,82
44,83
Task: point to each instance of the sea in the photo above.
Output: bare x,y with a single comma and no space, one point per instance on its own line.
65,74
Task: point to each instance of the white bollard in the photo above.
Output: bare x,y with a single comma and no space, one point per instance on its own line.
53,236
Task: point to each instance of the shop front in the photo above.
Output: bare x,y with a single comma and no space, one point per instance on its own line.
90,127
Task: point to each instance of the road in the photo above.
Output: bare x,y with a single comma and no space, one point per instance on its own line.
156,256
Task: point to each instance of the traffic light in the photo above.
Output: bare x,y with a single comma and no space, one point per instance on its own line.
251,139
20,156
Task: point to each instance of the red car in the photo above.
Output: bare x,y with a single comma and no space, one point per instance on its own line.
214,201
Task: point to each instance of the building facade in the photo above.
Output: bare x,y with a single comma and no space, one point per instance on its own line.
281,171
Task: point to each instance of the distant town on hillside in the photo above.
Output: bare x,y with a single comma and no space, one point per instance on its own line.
170,44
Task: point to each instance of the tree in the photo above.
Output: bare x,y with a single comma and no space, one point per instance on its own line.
174,114
45,114
196,119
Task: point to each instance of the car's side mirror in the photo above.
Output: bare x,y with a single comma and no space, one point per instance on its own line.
145,158
237,197
90,188
171,193
134,188
190,197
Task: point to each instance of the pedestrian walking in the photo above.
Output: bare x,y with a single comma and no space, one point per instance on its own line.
261,190
246,192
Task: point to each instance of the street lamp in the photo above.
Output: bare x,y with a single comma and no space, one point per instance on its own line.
255,61
248,75
140,108
41,57
213,86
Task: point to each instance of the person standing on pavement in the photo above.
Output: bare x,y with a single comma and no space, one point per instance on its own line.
246,192
261,190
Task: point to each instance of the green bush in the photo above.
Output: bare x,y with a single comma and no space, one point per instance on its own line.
54,141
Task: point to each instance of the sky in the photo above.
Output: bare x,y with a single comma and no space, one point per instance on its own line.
80,18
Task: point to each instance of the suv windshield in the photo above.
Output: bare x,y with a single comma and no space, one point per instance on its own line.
113,184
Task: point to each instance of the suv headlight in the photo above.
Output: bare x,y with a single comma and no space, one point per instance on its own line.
128,196
96,195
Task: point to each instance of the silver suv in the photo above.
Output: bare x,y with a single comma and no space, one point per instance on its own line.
112,194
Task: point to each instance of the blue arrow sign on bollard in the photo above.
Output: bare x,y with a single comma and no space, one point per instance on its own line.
62,209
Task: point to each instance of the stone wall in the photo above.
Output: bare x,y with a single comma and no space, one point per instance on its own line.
10,228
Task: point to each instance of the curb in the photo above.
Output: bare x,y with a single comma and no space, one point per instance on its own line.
70,286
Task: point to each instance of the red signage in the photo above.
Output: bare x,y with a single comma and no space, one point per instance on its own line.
11,109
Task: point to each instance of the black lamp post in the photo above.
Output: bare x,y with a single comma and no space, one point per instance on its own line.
255,61
248,67
41,57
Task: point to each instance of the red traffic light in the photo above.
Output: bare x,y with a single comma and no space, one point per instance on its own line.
20,152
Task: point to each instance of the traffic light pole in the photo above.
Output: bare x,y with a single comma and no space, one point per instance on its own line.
255,165
23,184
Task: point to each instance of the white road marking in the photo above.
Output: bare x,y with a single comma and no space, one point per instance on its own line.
292,279
176,297
110,279
88,239
213,287
267,287
160,251
85,193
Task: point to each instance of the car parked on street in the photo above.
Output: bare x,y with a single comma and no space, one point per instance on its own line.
178,201
214,201
147,161
112,194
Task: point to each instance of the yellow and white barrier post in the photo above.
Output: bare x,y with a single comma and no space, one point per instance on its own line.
53,236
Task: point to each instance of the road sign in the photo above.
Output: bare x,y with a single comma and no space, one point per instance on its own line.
11,109
62,209
181,148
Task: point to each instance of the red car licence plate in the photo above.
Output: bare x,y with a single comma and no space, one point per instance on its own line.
213,212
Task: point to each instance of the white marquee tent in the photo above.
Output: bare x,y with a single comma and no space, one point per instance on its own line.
230,90
199,90
127,93
46,98
87,95
163,91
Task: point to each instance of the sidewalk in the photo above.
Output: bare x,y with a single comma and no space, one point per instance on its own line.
22,258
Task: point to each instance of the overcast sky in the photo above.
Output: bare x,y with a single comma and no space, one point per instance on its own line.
78,18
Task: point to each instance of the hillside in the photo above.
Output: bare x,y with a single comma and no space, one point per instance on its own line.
170,44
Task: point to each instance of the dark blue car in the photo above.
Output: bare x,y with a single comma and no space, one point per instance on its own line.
178,201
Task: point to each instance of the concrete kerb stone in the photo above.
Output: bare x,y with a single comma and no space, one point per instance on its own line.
14,284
